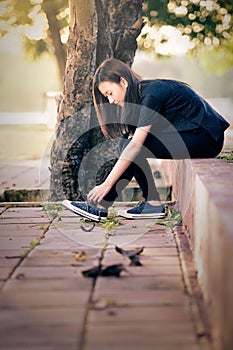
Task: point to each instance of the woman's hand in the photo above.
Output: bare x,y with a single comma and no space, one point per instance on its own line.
98,193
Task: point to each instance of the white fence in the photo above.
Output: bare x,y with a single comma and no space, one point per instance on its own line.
49,117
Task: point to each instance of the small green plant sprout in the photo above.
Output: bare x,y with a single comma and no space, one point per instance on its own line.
227,155
105,242
52,209
34,243
173,218
110,222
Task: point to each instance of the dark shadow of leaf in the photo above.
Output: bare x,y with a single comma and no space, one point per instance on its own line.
111,270
93,272
132,254
135,261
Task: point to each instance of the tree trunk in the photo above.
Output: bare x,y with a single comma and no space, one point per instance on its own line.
51,13
80,156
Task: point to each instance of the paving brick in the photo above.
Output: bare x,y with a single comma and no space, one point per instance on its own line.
31,335
13,318
32,230
5,272
146,269
40,347
56,258
62,284
116,344
159,260
15,242
44,299
152,240
48,305
122,235
26,173
48,272
9,258
154,270
55,240
24,213
153,336
124,315
157,263
131,283
21,220
161,251
102,298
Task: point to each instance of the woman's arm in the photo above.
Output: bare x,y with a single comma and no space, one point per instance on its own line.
126,158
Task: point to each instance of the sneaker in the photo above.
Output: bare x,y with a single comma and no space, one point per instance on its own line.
144,210
86,210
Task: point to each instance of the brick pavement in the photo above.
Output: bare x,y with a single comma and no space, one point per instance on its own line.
46,303
24,173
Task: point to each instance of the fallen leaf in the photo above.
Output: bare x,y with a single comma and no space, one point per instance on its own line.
103,303
81,256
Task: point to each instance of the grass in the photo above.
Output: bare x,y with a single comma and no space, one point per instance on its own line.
172,219
52,209
20,142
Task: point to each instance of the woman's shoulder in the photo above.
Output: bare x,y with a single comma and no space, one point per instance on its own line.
159,85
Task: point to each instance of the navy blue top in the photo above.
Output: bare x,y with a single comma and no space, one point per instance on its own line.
175,106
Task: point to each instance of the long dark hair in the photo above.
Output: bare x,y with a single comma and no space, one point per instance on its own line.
111,117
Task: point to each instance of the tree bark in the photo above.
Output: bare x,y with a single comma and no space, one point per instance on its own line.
51,13
80,156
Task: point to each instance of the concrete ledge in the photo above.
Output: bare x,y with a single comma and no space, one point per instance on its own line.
24,195
129,194
204,191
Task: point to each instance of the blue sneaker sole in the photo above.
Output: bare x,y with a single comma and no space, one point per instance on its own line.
126,215
67,204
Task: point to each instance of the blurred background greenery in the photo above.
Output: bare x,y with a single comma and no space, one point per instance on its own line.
24,83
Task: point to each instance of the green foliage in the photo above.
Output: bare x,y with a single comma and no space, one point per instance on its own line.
217,59
196,18
15,13
172,219
110,222
24,14
34,243
206,23
34,48
227,155
52,209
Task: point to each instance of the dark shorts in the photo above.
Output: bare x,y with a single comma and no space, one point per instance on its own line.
197,143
